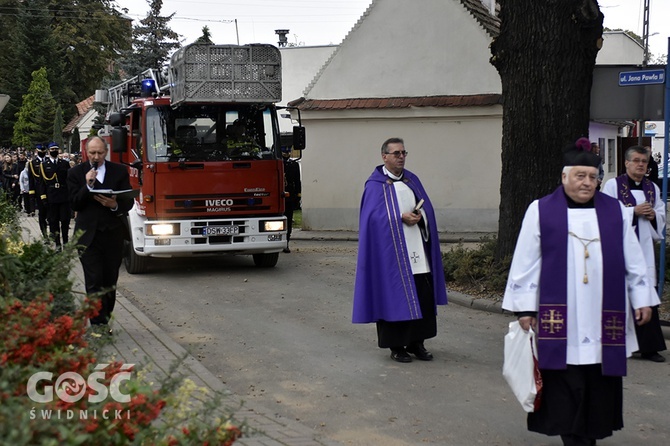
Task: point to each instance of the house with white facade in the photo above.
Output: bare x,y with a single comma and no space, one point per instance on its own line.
430,82
83,121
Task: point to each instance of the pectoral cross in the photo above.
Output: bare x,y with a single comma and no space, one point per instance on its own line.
553,321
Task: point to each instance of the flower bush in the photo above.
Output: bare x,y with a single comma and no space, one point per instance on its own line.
54,391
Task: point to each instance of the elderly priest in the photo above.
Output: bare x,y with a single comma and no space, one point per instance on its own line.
579,278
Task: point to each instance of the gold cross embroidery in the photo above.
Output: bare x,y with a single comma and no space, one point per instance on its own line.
552,321
614,328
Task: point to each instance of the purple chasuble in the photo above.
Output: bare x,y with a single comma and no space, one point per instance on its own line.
385,288
553,316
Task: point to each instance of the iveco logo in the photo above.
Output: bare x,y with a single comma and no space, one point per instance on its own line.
225,202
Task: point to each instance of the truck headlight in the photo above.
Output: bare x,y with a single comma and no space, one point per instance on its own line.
163,229
273,225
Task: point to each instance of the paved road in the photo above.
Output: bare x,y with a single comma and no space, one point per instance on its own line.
282,338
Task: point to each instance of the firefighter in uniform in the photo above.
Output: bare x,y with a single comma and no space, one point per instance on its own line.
36,187
54,176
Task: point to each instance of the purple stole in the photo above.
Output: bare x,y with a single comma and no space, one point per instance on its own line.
626,197
553,316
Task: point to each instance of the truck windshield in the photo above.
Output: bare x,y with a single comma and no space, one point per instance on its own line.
209,133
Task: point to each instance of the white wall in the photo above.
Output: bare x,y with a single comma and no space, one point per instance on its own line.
606,136
299,66
619,49
455,153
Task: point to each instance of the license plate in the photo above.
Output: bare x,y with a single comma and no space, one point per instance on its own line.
220,230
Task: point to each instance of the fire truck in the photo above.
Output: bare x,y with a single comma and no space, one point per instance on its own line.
201,140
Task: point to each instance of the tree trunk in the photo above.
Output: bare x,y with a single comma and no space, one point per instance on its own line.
545,55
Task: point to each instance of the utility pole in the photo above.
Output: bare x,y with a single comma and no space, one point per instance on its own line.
645,32
645,60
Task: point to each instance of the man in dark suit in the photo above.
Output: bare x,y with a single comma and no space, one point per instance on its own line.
100,218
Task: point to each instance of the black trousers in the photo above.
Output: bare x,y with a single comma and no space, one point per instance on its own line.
101,261
27,201
42,214
650,335
289,207
59,221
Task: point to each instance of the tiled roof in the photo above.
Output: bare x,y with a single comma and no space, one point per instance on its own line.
481,13
82,108
85,105
398,102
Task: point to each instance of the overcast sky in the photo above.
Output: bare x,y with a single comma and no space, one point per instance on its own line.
323,22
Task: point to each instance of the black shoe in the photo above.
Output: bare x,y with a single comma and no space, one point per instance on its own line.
286,250
420,352
400,355
654,357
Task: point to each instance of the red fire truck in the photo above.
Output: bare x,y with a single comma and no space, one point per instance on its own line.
204,150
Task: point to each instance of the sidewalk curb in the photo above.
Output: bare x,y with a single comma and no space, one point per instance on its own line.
352,236
496,306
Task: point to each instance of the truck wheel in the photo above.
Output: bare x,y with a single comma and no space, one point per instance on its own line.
134,264
266,260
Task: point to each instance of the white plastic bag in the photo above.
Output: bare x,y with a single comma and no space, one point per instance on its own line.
520,367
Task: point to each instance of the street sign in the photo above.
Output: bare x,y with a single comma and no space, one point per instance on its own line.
612,102
641,77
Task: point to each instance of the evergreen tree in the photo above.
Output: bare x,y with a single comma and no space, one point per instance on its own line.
37,113
545,55
58,128
77,40
206,36
7,24
91,35
75,141
153,42
28,46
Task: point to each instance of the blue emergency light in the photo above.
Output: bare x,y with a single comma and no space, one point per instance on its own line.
148,88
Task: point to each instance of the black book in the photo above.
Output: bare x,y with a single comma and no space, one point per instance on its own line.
120,194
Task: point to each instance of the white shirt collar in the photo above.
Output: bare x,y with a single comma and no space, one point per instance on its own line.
391,175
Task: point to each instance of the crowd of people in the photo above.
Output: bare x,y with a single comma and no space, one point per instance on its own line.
34,180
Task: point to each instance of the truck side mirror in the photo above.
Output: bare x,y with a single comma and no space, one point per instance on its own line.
119,139
117,119
299,138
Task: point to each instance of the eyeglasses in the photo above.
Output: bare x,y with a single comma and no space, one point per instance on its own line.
639,161
397,153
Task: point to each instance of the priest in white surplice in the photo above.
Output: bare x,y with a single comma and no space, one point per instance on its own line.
578,276
645,207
